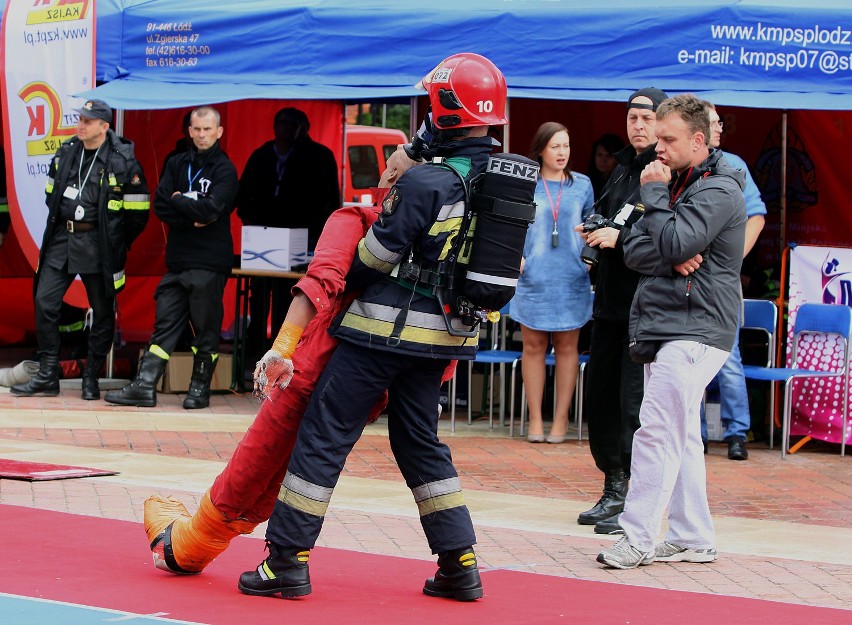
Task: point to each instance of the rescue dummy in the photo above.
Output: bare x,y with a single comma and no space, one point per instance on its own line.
244,494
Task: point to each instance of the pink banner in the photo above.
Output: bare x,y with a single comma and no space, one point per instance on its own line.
823,275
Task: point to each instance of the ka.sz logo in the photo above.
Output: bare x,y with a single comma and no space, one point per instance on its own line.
44,112
51,11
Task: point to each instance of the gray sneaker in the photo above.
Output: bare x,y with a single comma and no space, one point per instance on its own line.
667,552
623,556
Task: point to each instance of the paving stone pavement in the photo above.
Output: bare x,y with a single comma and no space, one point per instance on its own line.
784,526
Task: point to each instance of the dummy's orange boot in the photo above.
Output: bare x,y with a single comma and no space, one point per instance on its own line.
185,544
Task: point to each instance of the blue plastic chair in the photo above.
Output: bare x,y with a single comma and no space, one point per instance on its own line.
497,354
810,319
762,315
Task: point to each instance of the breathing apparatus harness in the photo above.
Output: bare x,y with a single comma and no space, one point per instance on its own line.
479,274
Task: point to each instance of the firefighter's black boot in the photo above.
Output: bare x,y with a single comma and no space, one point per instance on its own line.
91,388
457,577
142,391
198,395
612,500
45,382
284,572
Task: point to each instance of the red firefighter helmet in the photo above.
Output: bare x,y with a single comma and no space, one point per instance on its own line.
466,90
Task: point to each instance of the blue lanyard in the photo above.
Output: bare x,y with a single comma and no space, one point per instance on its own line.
192,178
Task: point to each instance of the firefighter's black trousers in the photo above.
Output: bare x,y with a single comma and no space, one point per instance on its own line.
52,285
194,295
352,383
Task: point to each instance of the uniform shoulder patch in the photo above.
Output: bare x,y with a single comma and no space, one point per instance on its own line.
135,180
390,202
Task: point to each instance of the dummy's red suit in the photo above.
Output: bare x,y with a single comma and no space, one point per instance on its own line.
248,487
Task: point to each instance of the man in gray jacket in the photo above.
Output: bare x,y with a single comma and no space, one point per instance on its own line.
683,323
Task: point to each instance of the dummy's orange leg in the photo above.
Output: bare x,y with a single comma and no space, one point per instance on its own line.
186,544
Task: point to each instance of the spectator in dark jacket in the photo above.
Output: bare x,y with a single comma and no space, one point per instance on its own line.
613,382
97,203
289,182
603,161
195,198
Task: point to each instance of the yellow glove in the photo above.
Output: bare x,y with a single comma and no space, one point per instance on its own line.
276,366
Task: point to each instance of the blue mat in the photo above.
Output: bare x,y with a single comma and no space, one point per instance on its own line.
28,611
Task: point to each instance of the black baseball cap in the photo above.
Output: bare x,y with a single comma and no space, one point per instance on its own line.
656,96
96,109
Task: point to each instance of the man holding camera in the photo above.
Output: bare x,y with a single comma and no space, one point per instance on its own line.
614,382
688,248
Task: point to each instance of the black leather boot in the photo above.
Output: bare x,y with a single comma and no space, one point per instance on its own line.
91,388
284,572
610,525
612,501
198,395
142,391
737,448
45,382
457,577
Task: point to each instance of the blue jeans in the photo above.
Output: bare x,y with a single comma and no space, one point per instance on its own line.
733,397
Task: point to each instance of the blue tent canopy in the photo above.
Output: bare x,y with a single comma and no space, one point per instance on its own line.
753,53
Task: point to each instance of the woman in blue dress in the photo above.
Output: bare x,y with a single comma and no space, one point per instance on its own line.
554,298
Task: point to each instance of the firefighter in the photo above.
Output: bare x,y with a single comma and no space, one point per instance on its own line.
394,337
98,203
195,198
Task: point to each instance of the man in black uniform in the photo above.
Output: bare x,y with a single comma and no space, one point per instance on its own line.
195,198
395,338
98,203
614,382
289,182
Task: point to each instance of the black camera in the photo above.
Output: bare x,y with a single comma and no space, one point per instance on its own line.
590,255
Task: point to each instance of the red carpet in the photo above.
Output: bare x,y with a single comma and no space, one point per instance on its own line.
104,563
39,471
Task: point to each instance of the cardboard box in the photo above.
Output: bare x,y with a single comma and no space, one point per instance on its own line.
273,249
179,371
